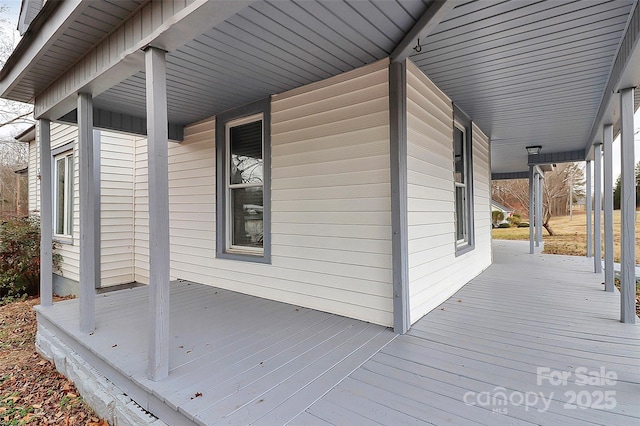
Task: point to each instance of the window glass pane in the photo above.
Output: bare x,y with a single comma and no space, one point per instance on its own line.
246,215
69,178
458,152
60,199
246,153
461,228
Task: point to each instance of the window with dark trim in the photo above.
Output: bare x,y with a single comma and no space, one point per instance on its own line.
463,182
63,170
243,183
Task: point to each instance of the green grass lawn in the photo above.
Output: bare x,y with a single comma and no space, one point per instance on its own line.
570,235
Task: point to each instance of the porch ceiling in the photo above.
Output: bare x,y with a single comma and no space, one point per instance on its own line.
527,72
269,48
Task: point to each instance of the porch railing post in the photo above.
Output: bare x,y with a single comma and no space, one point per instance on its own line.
608,206
46,215
531,209
588,204
157,146
627,210
89,187
597,209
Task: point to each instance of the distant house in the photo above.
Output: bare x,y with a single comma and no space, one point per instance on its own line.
505,210
332,155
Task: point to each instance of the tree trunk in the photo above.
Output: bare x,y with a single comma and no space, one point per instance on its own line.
548,228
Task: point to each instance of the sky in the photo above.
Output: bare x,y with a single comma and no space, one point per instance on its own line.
14,10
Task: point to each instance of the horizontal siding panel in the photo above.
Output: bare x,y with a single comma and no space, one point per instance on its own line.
435,273
331,212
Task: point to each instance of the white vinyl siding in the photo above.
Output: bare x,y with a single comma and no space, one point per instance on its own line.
62,134
116,212
33,177
331,205
116,188
435,273
141,212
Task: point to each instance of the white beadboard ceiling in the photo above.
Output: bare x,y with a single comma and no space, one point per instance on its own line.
527,72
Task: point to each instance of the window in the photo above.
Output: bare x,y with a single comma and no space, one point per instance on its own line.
243,227
463,182
63,194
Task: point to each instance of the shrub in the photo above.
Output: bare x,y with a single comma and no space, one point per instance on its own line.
497,216
514,220
518,215
523,225
504,225
20,257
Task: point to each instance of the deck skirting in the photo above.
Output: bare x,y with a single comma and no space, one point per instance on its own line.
107,400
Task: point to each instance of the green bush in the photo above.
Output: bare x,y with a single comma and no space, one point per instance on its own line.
518,215
504,225
496,217
523,225
514,220
20,257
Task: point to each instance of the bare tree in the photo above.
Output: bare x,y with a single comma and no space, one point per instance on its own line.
14,116
555,191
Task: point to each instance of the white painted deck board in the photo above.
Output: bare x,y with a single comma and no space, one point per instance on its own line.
522,313
262,362
234,349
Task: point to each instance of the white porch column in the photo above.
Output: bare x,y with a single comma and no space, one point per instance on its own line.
608,206
597,209
588,204
46,215
627,210
89,189
539,206
157,145
531,210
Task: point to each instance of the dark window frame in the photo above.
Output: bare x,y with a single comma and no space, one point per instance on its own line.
460,119
223,251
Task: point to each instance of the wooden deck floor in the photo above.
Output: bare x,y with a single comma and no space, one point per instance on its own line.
525,312
260,362
233,357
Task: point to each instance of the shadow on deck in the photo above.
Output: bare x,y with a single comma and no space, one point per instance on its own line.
483,357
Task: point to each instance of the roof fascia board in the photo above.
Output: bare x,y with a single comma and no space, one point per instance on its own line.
38,42
434,14
122,60
624,73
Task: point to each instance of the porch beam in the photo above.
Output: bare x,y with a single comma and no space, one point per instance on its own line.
624,73
588,205
597,209
156,89
46,215
510,175
435,13
531,208
627,210
556,157
89,187
399,220
607,138
110,120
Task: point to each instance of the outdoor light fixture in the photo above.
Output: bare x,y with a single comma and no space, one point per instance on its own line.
534,150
